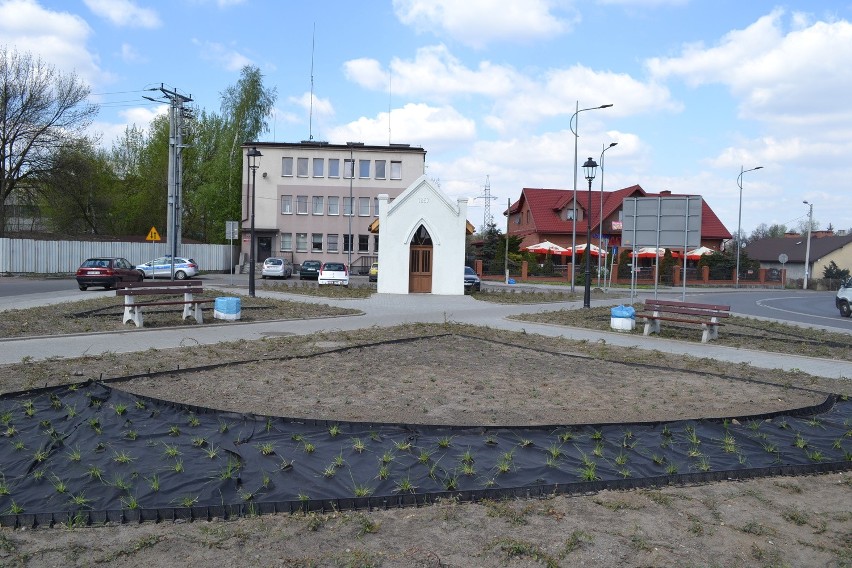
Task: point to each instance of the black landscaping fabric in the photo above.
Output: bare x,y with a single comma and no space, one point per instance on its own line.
89,453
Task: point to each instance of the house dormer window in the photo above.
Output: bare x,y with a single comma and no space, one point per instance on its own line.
569,214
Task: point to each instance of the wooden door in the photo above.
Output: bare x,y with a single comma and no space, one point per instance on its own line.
420,269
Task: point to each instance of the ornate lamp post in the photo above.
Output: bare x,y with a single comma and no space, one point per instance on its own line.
740,220
589,171
252,155
574,125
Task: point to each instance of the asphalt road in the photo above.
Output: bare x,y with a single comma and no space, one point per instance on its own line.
796,306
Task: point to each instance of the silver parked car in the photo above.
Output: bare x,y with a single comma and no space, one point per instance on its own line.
162,268
276,267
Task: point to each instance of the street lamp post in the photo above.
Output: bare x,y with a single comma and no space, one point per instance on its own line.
600,214
808,246
351,206
574,125
252,155
589,170
740,221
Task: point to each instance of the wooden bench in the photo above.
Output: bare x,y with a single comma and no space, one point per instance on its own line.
132,290
705,315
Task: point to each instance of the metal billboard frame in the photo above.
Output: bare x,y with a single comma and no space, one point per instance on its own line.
661,222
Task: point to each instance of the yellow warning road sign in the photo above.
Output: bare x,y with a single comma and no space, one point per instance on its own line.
153,235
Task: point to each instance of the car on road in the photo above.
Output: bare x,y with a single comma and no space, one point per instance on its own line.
843,299
334,273
107,272
309,270
162,268
472,283
275,267
373,275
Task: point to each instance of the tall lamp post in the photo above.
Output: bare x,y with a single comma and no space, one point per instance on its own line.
600,214
252,154
351,206
808,246
574,125
740,221
589,171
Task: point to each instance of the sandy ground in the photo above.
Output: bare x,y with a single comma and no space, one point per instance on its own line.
494,378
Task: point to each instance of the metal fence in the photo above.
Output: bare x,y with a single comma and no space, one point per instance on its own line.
27,256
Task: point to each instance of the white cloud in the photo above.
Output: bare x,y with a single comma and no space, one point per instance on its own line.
59,38
480,22
418,124
802,76
557,95
130,54
321,107
124,13
228,58
434,73
139,116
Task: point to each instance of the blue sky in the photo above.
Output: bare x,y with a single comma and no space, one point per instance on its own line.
700,88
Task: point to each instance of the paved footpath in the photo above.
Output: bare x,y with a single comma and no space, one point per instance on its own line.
380,310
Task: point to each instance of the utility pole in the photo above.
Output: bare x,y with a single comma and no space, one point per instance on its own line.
177,114
487,219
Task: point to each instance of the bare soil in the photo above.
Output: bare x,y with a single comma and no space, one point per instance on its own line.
449,374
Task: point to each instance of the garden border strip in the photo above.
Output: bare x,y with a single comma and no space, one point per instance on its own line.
557,459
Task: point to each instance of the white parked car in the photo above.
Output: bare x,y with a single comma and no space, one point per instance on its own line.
333,273
275,267
162,268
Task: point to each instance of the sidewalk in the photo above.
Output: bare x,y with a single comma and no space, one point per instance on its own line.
382,310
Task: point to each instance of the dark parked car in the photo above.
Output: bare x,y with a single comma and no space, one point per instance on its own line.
106,272
471,280
309,270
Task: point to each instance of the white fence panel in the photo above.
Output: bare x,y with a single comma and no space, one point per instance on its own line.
28,256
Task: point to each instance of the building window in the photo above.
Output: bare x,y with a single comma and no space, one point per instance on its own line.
301,242
375,207
380,169
302,167
286,204
528,216
331,241
396,170
363,168
286,166
333,168
333,205
363,206
376,243
319,167
301,204
348,169
316,242
287,241
363,243
318,205
347,242
347,205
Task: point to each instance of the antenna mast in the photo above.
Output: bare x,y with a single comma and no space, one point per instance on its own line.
390,93
311,112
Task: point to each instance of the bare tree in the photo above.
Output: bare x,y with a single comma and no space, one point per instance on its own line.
39,109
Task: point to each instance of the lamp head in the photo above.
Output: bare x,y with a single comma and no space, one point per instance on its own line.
605,106
254,153
589,169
